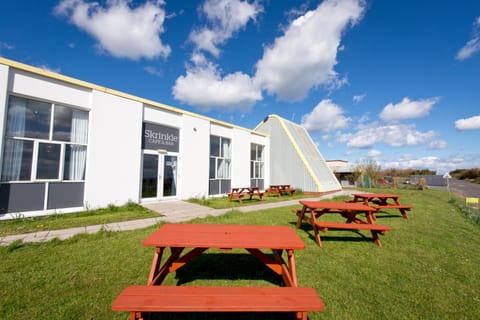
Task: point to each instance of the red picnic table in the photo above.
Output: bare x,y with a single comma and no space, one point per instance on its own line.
381,201
280,189
241,192
347,210
187,241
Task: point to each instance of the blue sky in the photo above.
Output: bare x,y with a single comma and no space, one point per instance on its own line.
397,82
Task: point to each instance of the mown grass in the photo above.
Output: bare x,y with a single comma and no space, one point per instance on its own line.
130,211
426,269
222,202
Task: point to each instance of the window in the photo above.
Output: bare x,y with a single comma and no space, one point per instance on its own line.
256,165
220,165
44,141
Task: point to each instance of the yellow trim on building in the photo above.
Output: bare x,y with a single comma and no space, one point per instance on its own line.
299,151
80,83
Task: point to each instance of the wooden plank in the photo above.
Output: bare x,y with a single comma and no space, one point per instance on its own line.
352,226
217,299
224,236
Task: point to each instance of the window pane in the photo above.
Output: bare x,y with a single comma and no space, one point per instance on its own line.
28,118
70,125
17,160
214,146
221,169
48,163
253,152
225,148
260,153
212,168
75,159
252,169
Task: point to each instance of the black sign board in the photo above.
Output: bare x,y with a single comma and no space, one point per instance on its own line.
156,137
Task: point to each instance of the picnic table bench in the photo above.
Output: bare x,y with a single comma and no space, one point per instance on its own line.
241,192
280,189
382,201
315,209
141,299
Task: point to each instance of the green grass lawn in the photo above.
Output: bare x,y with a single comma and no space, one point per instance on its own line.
428,268
130,211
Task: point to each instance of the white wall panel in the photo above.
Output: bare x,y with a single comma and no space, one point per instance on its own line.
49,89
114,151
194,157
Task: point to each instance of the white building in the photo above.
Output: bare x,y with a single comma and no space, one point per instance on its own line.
68,145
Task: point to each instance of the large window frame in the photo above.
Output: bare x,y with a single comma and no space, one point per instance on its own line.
44,142
257,165
220,165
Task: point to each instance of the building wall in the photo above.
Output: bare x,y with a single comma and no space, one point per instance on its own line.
295,159
113,172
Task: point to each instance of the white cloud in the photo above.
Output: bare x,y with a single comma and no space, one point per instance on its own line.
374,153
305,56
359,98
120,30
325,117
440,165
204,87
391,135
438,144
153,71
407,109
472,123
473,45
225,17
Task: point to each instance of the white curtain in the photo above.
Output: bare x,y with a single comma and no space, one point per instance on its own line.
79,134
173,161
12,163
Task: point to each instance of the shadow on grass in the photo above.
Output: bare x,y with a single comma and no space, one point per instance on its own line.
226,266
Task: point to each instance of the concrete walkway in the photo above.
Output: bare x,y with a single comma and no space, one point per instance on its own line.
172,211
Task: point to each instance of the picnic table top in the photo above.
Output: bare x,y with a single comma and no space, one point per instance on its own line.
224,236
341,206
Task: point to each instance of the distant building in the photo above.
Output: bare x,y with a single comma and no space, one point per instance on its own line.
342,170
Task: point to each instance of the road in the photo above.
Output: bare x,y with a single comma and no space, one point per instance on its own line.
464,189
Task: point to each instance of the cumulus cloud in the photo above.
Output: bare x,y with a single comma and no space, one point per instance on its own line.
305,55
204,87
472,123
120,29
408,109
473,45
391,135
225,18
325,117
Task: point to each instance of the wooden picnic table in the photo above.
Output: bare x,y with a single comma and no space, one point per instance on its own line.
381,201
241,192
187,241
280,189
348,210
201,237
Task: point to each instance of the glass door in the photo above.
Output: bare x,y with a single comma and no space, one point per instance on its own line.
169,176
150,176
159,178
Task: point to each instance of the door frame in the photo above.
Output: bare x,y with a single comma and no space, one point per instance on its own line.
160,175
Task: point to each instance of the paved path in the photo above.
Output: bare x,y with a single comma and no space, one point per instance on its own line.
173,211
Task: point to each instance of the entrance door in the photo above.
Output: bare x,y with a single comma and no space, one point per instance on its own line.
159,179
